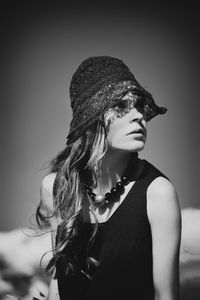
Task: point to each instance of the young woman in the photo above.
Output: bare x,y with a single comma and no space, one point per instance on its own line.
115,218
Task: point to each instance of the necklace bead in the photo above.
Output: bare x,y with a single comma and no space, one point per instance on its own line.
108,196
124,180
114,191
99,200
93,195
120,187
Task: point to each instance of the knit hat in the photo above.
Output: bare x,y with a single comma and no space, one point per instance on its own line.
96,85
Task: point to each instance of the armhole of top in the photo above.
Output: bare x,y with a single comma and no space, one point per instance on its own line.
154,173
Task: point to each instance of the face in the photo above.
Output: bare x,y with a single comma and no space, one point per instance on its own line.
126,126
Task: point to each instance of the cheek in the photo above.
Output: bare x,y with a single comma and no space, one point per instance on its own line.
109,117
115,133
113,116
113,140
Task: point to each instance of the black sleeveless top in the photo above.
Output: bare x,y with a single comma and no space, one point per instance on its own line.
123,248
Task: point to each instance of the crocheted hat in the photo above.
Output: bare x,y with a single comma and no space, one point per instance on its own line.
96,85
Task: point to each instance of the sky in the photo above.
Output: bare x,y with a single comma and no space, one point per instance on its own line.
42,47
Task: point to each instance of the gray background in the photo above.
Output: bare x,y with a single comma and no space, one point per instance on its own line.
42,47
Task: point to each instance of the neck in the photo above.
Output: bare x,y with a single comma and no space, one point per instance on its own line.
112,168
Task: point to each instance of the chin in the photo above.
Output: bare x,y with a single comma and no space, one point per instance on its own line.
136,146
129,147
138,149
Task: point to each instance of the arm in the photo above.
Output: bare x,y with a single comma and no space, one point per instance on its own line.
165,221
46,192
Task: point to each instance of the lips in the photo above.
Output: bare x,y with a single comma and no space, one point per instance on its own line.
140,130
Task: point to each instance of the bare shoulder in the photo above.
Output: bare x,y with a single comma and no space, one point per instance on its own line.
48,181
162,201
46,190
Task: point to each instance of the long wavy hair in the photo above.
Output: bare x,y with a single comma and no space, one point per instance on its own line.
75,166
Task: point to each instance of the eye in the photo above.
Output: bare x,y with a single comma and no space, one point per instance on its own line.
140,104
122,104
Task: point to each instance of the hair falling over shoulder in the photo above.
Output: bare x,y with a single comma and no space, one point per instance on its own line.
74,166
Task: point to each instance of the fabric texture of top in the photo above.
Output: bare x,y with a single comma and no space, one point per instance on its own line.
123,248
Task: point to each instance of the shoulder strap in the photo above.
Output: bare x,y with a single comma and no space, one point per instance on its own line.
151,172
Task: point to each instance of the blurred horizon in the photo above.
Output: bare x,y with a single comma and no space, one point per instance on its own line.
21,275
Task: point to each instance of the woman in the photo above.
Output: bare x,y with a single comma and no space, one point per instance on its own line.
115,218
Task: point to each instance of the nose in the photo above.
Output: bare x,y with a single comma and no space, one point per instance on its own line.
136,116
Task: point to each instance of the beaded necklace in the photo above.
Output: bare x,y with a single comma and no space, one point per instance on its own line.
104,199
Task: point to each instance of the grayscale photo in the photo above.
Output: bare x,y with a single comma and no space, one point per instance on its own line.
100,151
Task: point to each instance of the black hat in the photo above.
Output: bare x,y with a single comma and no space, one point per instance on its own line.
95,86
